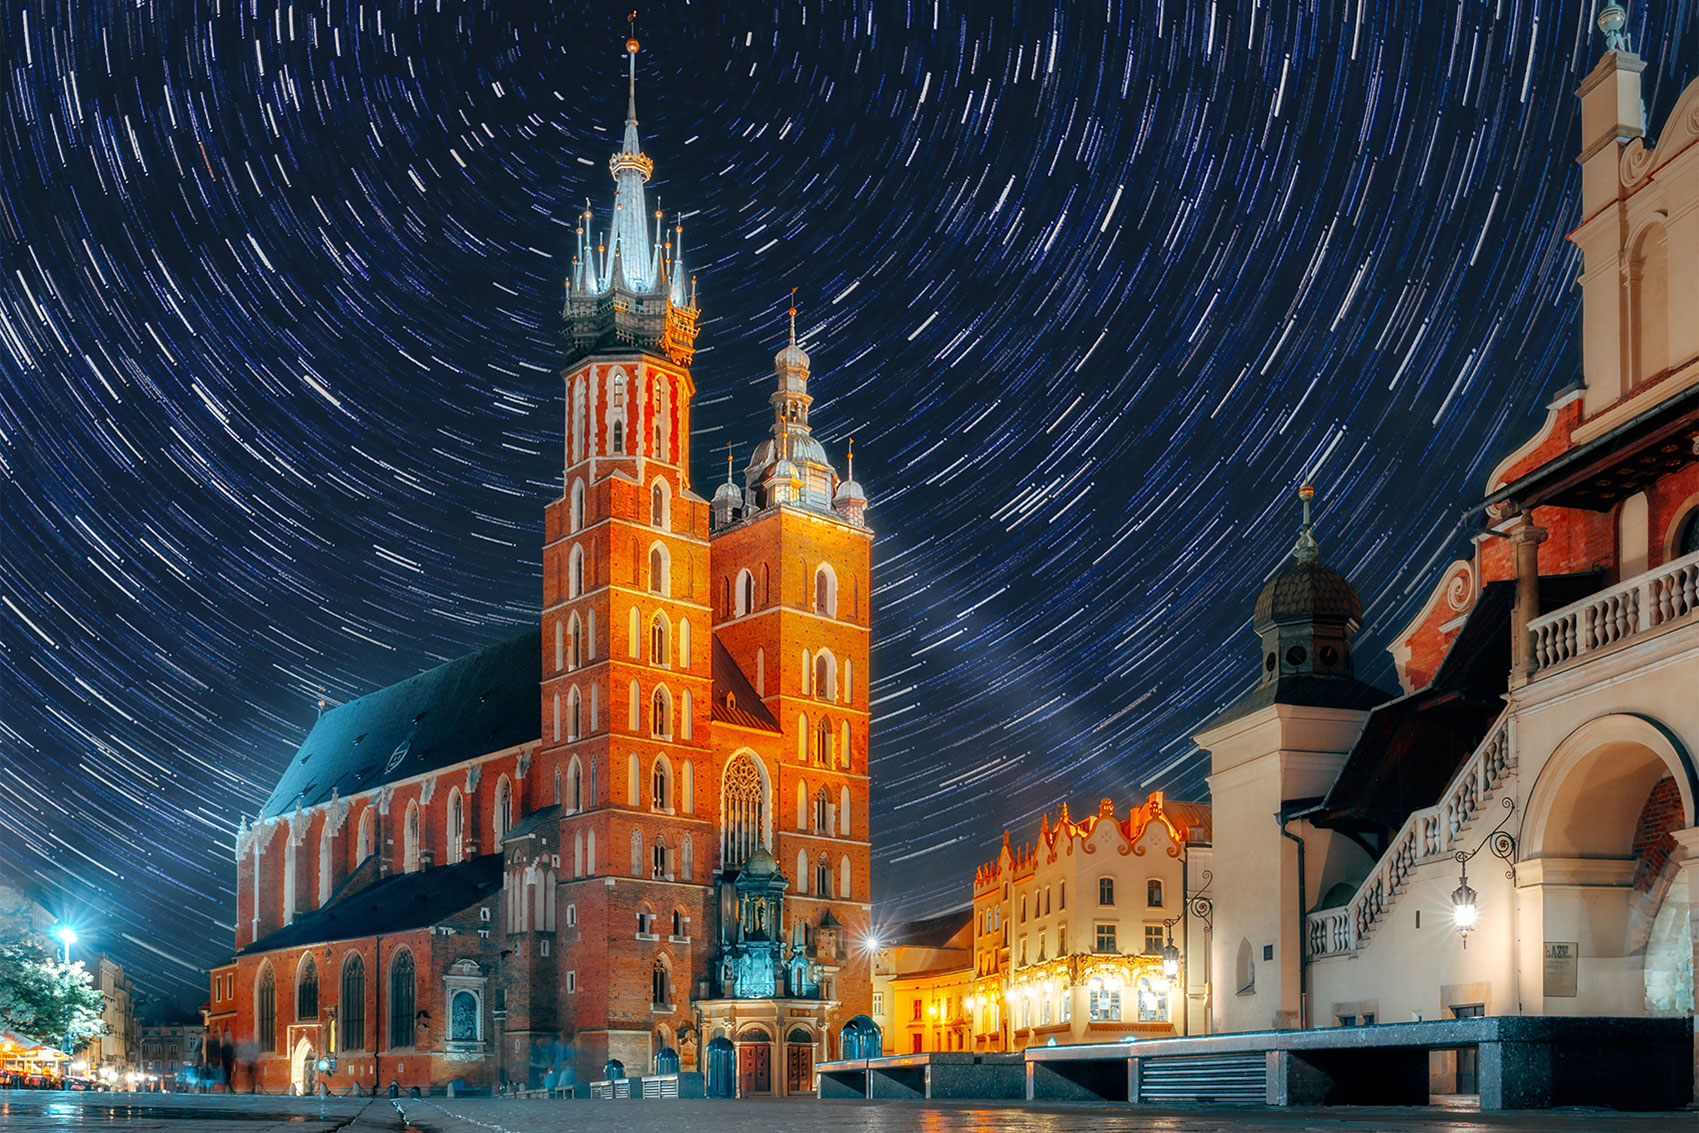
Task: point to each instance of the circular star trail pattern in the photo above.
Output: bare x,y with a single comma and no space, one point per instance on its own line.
1093,287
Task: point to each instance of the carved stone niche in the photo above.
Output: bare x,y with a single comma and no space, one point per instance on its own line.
464,988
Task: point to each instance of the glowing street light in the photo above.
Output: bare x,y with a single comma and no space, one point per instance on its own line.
1464,911
65,935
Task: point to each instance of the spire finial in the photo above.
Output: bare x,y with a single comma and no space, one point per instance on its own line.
321,700
793,316
728,462
631,55
849,459
1305,549
1612,20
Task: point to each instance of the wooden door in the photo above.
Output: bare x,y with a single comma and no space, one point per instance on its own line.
754,1069
799,1069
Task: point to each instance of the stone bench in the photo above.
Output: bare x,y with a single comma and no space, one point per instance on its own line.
959,1075
1525,1062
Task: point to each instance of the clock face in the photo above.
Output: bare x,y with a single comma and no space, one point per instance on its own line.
396,756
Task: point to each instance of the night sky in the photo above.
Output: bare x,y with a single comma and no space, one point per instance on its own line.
1092,285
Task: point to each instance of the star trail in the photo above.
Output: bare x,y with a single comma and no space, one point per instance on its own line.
1093,286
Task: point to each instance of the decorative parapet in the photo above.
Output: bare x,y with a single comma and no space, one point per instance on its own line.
1641,606
1427,835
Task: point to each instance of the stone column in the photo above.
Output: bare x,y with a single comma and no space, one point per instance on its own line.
1525,542
1687,853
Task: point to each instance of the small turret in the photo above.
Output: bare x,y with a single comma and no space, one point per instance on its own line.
850,501
728,499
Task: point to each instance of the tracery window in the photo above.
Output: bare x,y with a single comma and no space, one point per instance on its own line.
265,1010
401,992
744,810
351,1003
307,989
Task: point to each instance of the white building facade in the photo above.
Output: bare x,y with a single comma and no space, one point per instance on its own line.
1513,834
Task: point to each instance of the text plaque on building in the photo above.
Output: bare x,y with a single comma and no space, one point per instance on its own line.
1562,963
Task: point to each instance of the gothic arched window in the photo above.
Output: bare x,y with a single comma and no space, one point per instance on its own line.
745,592
660,785
576,519
825,591
401,993
410,839
574,643
575,573
503,809
351,1003
574,714
265,1010
307,989
743,810
659,569
658,504
823,877
618,446
660,983
456,824
661,714
660,651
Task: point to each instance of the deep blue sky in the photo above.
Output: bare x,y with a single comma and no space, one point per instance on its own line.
1092,285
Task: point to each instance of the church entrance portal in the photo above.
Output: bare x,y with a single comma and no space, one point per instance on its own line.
754,1064
799,1063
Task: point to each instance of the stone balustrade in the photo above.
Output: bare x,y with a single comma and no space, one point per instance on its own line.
1634,608
1429,833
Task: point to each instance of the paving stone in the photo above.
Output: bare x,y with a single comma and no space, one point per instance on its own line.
34,1111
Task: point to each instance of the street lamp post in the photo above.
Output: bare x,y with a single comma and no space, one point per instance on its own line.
66,936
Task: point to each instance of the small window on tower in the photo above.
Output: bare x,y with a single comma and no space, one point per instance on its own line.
617,445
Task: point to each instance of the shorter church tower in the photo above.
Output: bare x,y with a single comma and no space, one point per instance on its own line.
1274,753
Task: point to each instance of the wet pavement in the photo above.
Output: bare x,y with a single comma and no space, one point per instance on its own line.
27,1110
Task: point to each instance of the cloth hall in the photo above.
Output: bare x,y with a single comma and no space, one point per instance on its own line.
638,831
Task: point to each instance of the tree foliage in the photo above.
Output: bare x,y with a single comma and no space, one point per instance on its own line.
44,1000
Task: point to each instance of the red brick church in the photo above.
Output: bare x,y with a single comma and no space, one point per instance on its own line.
641,826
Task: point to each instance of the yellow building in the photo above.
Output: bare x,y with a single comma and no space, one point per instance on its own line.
1096,932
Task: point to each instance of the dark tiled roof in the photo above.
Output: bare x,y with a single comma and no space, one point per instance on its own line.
1309,690
483,702
1411,747
933,932
1187,815
735,699
1303,592
398,903
533,821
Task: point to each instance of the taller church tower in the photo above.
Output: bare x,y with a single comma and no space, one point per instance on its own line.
627,676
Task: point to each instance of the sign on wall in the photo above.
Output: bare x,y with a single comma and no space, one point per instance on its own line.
1562,963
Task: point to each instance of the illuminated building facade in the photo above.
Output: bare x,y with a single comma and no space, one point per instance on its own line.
449,884
1513,833
1095,932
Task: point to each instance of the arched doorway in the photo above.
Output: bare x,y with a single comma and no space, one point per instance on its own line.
799,1061
754,1062
304,1068
1593,884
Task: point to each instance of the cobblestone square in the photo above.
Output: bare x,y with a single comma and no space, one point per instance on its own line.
32,1111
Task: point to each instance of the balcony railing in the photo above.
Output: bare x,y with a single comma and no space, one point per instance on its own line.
1427,834
1635,608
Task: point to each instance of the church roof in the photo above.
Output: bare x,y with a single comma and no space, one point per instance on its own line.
398,903
1411,746
471,706
934,931
735,699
